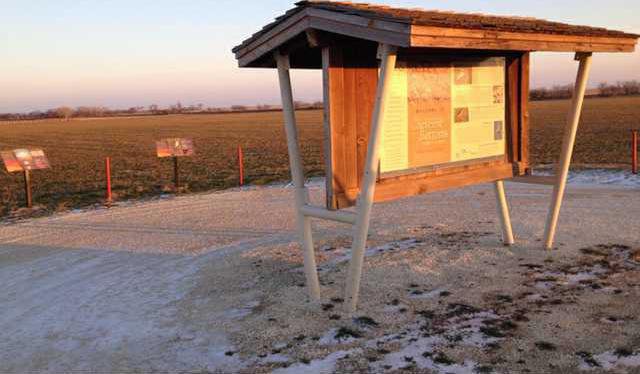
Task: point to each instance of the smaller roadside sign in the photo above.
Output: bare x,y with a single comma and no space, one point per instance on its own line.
175,147
24,159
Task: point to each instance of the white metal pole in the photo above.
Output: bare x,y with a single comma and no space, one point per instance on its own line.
365,199
297,175
503,212
571,129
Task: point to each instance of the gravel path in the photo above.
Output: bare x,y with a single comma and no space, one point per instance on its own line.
206,282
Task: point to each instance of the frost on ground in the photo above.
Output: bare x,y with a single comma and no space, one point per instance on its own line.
620,360
590,177
212,283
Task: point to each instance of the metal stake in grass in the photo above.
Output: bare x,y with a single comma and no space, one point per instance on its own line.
107,167
176,176
634,151
240,166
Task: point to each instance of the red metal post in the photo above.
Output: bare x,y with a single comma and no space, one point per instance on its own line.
634,151
107,168
241,165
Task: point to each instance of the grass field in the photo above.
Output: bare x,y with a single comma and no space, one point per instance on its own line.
76,150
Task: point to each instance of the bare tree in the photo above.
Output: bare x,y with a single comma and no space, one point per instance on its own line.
64,112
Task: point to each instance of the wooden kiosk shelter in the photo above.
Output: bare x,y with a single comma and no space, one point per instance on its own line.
417,101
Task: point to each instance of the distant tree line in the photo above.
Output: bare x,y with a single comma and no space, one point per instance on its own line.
66,113
626,88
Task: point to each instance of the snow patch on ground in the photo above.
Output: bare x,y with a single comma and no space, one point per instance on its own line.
329,338
420,348
76,310
418,294
610,360
344,254
324,365
610,177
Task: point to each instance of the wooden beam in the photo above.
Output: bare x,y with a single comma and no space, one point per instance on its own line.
354,20
282,27
360,32
327,130
256,51
403,34
331,215
392,188
297,175
365,200
503,213
523,123
571,130
444,37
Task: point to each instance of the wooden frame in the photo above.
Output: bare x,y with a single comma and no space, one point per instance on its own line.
350,78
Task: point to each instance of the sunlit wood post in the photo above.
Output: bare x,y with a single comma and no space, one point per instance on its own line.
27,188
297,176
571,129
176,174
503,212
365,199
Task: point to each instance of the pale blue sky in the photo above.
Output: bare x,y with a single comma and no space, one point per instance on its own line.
123,53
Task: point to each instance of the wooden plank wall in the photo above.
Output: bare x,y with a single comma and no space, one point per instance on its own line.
352,80
518,112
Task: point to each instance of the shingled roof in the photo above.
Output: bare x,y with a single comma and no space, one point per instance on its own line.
418,27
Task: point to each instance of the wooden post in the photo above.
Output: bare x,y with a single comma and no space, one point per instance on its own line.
503,212
571,129
365,199
634,151
176,174
240,166
27,189
107,167
297,176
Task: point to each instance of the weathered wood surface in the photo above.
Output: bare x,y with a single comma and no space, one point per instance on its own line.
508,34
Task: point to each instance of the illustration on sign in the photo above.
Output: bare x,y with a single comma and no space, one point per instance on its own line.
443,112
175,147
24,160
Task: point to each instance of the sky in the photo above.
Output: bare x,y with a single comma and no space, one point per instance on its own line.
125,53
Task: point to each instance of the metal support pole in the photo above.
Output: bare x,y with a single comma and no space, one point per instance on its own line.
365,199
297,175
27,189
503,212
107,167
571,129
176,174
634,151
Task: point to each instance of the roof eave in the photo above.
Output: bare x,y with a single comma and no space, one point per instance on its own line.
253,51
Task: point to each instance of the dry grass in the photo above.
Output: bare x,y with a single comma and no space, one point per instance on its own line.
603,137
77,149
